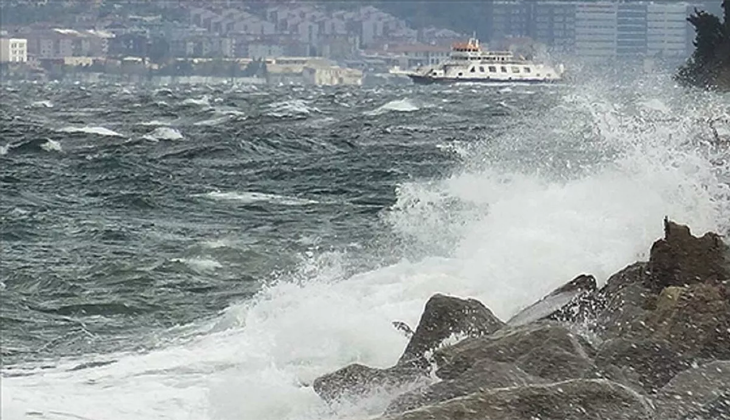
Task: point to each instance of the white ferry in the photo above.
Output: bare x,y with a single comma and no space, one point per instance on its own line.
469,63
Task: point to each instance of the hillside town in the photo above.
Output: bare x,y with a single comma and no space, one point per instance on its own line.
292,42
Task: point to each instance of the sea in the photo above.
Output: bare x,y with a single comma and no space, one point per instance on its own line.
205,252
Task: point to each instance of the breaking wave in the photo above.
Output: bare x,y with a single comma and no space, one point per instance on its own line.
582,187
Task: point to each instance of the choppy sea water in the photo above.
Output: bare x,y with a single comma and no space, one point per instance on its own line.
205,253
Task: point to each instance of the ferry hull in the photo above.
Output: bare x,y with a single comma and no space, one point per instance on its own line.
426,80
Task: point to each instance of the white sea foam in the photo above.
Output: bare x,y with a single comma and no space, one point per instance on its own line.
51,146
4,149
398,105
101,131
511,233
164,133
204,101
290,108
42,104
253,197
154,123
200,264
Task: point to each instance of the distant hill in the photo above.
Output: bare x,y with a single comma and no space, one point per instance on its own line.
461,16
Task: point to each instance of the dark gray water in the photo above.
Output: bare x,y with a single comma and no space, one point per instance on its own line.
191,235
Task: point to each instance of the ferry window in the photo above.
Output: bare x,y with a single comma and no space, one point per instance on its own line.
515,69
504,69
481,69
492,69
473,69
528,70
461,74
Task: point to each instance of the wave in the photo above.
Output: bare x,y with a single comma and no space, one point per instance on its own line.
42,104
290,108
247,197
154,123
399,105
51,146
204,101
100,131
581,188
164,133
200,264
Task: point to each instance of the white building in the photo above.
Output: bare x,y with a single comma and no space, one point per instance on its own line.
596,29
13,50
667,33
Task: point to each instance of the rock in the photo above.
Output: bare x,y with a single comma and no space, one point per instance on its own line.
510,344
695,320
359,380
485,374
550,306
404,328
693,389
682,259
571,400
649,364
717,409
550,361
443,317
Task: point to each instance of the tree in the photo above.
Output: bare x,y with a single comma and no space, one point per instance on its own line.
709,65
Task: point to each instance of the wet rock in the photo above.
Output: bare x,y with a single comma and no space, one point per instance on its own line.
694,389
485,374
621,303
553,305
681,259
647,364
404,328
570,400
695,320
444,316
358,380
510,344
717,409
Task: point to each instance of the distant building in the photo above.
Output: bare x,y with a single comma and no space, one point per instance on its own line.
60,43
331,76
598,30
13,50
668,33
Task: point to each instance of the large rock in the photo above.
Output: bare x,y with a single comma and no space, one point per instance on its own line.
552,306
681,259
485,374
692,390
570,400
647,364
444,317
695,320
717,409
510,344
357,380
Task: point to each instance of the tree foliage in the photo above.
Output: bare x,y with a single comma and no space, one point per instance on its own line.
709,65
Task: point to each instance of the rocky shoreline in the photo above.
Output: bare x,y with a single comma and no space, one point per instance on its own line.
653,343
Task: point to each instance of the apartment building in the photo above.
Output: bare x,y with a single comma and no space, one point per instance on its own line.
600,30
13,50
